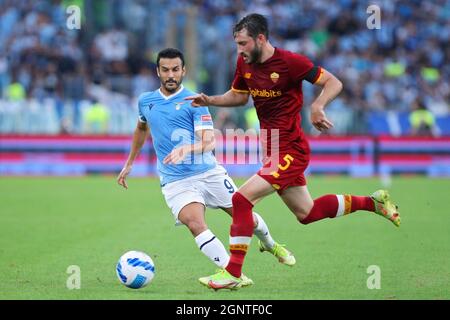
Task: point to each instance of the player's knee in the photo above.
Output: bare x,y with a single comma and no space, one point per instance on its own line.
236,198
303,220
240,200
302,215
196,227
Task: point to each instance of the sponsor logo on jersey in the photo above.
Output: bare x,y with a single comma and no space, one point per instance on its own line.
265,93
274,77
247,75
206,117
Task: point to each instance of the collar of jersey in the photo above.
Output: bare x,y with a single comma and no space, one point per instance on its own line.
172,95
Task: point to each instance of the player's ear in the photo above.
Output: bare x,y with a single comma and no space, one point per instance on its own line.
157,71
184,70
261,38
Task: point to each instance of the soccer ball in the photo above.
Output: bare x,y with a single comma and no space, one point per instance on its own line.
135,269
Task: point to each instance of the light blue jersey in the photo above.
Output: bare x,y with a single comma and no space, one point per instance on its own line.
173,122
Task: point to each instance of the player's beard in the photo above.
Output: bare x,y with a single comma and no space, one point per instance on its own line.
255,55
172,89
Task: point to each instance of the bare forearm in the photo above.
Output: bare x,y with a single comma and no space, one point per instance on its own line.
207,142
330,90
139,138
229,99
202,147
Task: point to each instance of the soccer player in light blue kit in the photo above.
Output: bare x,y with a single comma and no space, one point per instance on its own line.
191,179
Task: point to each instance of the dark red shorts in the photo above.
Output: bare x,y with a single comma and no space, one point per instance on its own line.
288,172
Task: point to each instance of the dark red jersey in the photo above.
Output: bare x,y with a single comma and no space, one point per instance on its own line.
276,88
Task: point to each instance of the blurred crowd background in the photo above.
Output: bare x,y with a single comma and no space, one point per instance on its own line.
57,80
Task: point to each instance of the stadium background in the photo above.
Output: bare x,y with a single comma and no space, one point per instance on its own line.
68,108
56,81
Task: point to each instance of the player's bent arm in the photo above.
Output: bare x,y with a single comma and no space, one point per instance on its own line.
331,85
139,136
331,88
231,98
207,141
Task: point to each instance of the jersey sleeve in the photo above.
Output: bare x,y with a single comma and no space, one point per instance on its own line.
202,119
239,84
140,107
301,68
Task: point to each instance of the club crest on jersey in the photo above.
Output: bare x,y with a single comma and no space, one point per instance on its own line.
178,105
274,77
247,75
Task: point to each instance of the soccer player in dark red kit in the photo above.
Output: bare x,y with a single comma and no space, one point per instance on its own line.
273,77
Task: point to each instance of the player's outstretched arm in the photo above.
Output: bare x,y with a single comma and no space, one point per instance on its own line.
332,86
139,136
228,99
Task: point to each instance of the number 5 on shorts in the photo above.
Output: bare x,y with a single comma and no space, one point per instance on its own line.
288,158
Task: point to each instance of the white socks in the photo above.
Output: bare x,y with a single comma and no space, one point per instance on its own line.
213,248
262,232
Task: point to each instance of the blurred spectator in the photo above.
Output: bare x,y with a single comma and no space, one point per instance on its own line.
112,45
251,118
113,52
224,119
96,119
421,120
15,92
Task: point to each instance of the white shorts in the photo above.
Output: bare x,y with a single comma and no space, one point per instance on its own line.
213,188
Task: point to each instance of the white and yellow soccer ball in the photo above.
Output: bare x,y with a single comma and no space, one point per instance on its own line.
135,269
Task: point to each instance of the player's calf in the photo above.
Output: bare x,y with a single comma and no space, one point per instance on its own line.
336,205
241,233
332,206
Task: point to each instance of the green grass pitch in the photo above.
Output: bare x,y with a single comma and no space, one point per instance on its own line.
48,224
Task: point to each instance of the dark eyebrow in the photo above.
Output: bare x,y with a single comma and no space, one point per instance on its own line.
166,68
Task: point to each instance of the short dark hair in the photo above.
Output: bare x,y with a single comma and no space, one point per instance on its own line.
170,53
255,24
